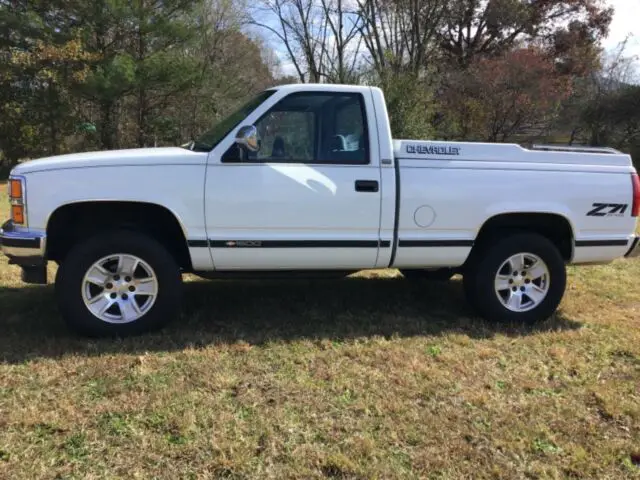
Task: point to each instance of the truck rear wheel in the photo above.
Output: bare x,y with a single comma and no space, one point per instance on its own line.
117,284
520,278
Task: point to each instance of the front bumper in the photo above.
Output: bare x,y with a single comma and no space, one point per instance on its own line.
634,250
22,248
26,249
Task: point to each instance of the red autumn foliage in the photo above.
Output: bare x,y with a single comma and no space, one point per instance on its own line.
498,97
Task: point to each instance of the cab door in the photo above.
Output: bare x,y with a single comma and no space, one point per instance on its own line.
308,199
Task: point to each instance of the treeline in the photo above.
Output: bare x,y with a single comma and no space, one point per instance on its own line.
102,74
122,73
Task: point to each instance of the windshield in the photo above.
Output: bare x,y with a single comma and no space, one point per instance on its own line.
210,139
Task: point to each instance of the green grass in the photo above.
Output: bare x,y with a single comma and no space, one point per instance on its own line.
370,377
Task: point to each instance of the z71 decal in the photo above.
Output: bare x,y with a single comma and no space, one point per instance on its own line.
607,210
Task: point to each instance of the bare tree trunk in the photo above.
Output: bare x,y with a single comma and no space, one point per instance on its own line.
142,118
53,124
107,132
142,99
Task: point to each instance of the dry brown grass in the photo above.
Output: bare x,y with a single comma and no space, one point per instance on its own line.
361,378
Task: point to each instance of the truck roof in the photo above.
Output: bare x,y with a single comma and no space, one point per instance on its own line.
326,87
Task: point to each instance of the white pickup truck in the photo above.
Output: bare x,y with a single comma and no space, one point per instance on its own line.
306,179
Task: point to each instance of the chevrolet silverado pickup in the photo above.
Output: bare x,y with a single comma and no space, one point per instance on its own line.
307,180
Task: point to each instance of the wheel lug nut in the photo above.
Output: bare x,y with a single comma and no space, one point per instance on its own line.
522,289
132,288
127,279
125,296
526,280
116,277
515,274
113,295
109,286
515,289
510,280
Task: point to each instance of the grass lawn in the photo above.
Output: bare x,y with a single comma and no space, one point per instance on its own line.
369,377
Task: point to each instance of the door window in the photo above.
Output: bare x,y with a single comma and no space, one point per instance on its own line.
312,128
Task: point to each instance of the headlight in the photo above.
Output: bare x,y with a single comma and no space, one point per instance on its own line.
17,199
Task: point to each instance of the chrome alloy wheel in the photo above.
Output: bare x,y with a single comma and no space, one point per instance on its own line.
119,288
522,282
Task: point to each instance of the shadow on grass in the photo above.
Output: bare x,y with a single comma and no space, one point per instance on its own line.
261,311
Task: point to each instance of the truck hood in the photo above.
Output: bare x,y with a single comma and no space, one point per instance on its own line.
109,158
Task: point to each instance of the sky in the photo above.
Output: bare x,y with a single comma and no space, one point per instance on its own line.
625,22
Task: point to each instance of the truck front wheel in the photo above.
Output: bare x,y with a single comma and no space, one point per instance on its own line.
520,278
118,283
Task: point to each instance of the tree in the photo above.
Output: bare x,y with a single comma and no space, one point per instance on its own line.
344,46
43,59
160,32
321,37
568,29
233,68
410,105
116,73
121,73
616,120
112,71
497,98
586,116
399,35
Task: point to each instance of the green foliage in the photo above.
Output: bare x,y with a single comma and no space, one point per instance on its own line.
542,445
111,79
115,73
410,106
614,120
43,59
604,110
434,350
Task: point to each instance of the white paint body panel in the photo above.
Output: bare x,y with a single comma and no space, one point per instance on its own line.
291,202
442,196
464,199
172,178
485,180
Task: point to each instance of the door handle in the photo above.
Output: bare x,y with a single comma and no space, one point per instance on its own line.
367,186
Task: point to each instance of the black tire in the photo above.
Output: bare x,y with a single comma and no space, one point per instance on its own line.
480,274
436,275
71,272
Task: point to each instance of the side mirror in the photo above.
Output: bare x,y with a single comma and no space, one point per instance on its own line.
247,136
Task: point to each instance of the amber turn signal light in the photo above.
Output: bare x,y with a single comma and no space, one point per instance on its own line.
15,189
17,214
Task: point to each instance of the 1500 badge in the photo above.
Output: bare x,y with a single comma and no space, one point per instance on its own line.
607,209
243,243
433,150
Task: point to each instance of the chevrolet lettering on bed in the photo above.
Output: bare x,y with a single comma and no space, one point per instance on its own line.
433,149
269,192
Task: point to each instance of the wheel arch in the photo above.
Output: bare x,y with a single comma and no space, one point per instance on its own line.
72,221
554,226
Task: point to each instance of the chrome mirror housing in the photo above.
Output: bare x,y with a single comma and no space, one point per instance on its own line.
247,136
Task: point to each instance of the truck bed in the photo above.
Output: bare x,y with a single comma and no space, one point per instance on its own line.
509,153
